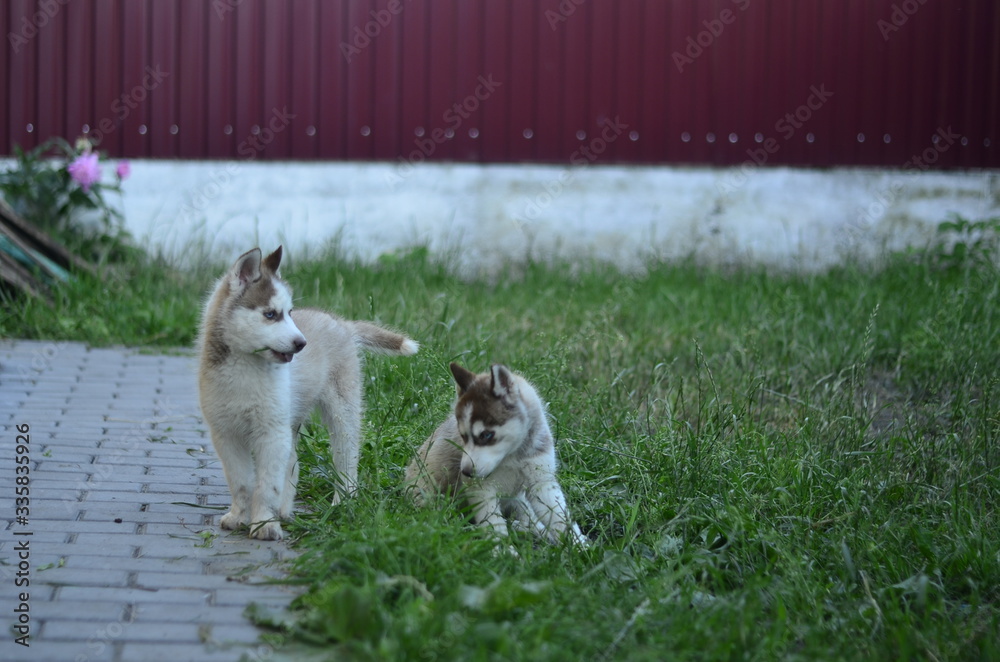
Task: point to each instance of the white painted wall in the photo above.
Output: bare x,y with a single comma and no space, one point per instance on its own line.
486,215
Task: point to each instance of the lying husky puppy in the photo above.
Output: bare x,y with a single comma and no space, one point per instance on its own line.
263,369
496,451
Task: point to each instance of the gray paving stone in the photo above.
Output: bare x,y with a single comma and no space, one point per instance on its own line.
77,526
70,651
130,516
219,615
63,466
183,581
116,433
85,610
37,541
137,564
73,576
128,595
108,546
172,652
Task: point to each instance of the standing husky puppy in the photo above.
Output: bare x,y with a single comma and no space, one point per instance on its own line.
498,453
262,371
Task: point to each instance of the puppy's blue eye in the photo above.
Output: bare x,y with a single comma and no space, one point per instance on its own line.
270,314
486,437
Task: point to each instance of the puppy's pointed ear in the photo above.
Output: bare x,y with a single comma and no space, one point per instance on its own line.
247,269
502,383
463,377
272,261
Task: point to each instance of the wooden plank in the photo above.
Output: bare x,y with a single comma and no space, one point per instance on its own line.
16,241
37,239
14,273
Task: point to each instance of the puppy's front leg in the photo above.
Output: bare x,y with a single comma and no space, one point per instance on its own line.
238,467
549,503
487,512
272,452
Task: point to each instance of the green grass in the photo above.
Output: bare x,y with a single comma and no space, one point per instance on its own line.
768,465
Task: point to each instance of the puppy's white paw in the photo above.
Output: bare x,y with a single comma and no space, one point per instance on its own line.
231,520
266,531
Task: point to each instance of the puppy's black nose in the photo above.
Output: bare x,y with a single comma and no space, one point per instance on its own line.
299,344
468,473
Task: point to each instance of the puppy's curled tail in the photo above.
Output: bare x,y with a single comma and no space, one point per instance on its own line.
383,341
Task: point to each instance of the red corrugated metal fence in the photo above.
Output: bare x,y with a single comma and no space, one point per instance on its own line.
779,82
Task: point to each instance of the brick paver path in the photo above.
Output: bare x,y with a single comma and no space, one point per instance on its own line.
123,559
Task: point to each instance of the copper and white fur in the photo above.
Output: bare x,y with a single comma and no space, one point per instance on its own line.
263,369
497,453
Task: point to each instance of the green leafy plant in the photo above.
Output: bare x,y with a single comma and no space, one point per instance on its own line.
962,242
57,187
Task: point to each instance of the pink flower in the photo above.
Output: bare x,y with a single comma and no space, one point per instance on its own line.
85,171
123,170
